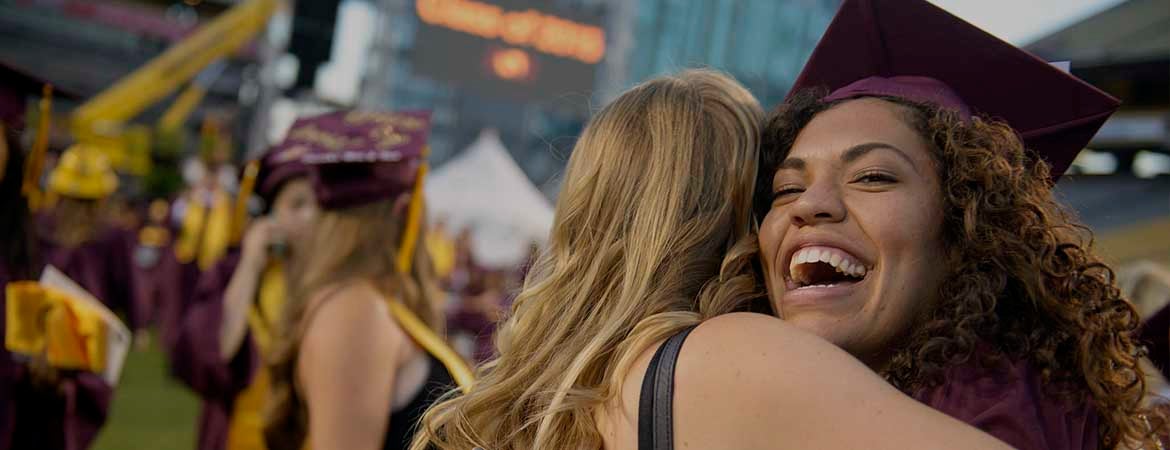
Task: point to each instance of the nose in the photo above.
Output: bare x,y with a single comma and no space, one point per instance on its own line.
819,203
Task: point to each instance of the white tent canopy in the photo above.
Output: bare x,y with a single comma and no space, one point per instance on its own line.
484,189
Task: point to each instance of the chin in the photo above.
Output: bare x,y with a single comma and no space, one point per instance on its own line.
826,326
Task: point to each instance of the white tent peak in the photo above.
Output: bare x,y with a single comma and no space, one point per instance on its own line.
485,189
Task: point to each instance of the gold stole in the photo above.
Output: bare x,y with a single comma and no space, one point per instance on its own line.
205,235
42,321
432,344
246,429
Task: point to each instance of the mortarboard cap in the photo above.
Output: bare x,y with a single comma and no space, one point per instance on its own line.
275,167
360,157
16,87
357,157
264,177
914,50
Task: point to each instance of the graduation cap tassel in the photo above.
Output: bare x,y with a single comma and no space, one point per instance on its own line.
247,187
36,160
413,222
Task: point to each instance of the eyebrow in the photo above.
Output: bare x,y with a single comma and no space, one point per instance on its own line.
791,163
852,154
859,150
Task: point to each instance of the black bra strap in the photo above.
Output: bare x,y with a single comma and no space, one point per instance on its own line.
656,404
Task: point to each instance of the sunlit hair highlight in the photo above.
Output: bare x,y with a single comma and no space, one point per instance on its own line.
652,234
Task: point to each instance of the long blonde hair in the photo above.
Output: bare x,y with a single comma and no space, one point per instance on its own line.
358,243
652,234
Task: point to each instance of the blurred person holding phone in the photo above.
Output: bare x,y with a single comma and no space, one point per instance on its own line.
225,334
358,354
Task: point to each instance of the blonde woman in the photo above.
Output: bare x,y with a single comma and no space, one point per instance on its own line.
358,360
652,240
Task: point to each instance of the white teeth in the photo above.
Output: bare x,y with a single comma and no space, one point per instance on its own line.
843,262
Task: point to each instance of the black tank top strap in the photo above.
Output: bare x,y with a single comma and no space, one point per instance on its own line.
656,403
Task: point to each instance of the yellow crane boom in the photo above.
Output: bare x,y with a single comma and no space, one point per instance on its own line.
99,121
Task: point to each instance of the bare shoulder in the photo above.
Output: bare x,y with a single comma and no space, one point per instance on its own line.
353,312
750,338
724,363
351,302
746,359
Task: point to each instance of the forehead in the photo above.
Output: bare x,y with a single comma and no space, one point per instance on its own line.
296,186
855,122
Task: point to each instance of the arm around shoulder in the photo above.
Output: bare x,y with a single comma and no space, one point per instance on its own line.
752,381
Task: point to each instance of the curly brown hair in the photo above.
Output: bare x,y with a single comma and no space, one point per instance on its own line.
1022,278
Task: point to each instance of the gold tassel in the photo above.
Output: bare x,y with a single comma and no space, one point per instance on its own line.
413,219
36,159
247,187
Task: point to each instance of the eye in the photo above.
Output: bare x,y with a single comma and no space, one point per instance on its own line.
875,177
786,191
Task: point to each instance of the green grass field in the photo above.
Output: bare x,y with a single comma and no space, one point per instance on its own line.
150,409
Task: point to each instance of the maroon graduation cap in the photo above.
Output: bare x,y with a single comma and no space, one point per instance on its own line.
16,87
274,168
914,50
356,157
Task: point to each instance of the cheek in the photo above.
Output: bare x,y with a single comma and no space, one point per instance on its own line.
302,219
908,236
772,232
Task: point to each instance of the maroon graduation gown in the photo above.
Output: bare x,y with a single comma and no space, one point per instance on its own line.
1010,402
103,266
195,356
1155,335
66,418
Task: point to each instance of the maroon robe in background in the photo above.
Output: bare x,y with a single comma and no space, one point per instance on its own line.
1155,335
39,418
479,327
1011,403
103,266
195,355
164,287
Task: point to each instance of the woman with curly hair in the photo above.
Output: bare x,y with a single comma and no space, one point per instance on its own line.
652,242
908,217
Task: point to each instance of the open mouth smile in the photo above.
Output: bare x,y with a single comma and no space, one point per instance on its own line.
822,267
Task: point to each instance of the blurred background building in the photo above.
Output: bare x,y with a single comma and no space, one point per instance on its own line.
382,54
1122,184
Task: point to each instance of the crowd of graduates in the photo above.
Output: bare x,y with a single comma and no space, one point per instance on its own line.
191,259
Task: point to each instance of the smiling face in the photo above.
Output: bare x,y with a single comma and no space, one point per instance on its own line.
852,244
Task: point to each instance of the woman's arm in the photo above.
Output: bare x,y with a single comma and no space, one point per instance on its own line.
751,381
241,290
346,366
